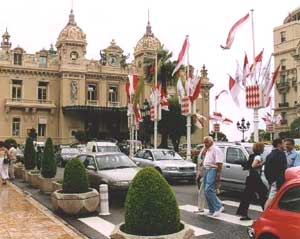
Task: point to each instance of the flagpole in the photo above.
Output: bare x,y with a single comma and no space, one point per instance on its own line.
130,127
255,110
155,107
188,118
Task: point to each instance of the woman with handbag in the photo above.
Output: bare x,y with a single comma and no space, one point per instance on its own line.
4,162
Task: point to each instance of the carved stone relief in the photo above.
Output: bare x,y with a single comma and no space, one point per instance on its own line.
74,91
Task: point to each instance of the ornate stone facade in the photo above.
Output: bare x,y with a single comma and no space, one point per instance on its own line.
58,92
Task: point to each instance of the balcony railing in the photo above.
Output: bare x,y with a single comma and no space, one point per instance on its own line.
283,85
285,104
113,104
92,102
28,103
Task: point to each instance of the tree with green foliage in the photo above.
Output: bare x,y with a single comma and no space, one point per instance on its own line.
75,177
48,162
151,208
263,135
29,155
295,128
220,136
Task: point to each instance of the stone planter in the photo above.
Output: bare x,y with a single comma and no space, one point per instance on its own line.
185,233
23,173
56,185
45,184
75,203
34,179
26,176
18,170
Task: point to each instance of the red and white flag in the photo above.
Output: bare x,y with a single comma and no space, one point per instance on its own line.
234,90
164,103
272,82
182,54
278,119
227,121
217,116
255,68
195,88
198,120
238,76
246,70
137,113
180,90
233,30
131,85
222,92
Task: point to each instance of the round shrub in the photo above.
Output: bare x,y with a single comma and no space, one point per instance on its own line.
29,155
48,160
75,177
11,142
151,208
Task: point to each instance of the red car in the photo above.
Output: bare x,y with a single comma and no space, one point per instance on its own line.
282,219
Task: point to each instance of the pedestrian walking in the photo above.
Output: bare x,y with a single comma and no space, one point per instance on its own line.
212,163
293,158
275,166
12,156
4,162
254,183
200,185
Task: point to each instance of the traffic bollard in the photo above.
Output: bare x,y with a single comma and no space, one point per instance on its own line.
104,203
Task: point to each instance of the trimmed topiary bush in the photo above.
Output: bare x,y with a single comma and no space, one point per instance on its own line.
12,142
29,155
75,177
151,208
48,169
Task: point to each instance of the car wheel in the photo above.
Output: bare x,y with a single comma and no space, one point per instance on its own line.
268,236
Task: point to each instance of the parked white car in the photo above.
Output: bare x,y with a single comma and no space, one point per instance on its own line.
169,163
101,147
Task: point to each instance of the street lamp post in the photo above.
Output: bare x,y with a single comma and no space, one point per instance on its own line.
243,127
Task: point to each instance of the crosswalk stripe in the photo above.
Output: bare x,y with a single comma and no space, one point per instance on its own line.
199,231
236,204
223,216
99,224
105,227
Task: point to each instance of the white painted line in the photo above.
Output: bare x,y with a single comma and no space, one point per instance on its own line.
223,216
199,231
236,204
99,224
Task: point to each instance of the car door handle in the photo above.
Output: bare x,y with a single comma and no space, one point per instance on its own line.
227,166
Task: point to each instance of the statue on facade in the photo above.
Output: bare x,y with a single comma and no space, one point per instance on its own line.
103,59
74,90
123,60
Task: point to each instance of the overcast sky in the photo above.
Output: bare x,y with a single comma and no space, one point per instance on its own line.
35,24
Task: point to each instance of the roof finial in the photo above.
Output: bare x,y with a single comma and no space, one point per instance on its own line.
148,28
71,18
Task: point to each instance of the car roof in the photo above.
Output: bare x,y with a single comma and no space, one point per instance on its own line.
159,149
103,143
292,173
104,153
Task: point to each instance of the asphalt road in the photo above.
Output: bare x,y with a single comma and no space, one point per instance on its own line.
227,226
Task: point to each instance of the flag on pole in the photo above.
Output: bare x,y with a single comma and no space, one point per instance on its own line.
234,90
198,120
195,88
271,83
131,85
227,121
278,119
180,90
238,76
233,30
182,54
218,95
256,66
217,116
246,70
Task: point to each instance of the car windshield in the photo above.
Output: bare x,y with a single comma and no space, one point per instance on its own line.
115,161
105,149
166,155
69,151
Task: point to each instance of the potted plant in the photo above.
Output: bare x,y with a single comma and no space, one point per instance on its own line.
18,170
75,198
151,210
48,170
57,184
33,178
29,158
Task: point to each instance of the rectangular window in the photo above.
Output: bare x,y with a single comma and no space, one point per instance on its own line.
113,94
282,36
17,59
16,125
16,90
283,97
42,91
42,129
283,64
43,61
92,92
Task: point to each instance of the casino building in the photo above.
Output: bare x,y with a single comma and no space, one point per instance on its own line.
58,91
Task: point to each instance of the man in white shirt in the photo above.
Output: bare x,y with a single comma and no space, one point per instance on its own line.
212,163
12,155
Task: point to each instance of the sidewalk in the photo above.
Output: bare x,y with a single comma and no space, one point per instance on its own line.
22,217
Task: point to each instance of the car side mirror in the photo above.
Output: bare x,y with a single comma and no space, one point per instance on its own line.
150,158
91,167
138,163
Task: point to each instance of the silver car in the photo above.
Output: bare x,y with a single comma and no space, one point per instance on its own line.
116,170
167,162
233,176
